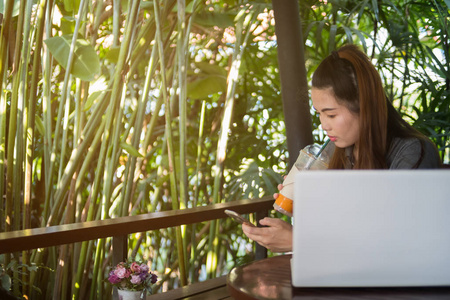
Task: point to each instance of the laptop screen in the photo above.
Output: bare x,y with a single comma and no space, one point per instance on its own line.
356,228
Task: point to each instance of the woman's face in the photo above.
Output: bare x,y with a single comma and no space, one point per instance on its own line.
341,125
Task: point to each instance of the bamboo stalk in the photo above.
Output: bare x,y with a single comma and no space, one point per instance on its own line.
182,66
173,180
14,171
37,256
3,108
5,33
244,21
29,126
194,254
113,106
116,22
46,103
131,164
182,98
63,98
105,201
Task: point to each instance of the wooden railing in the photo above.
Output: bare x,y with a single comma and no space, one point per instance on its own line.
120,228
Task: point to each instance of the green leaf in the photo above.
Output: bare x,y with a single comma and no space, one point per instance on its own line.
437,67
205,86
124,5
361,38
332,39
211,69
97,90
33,268
39,125
130,149
375,9
86,63
320,26
5,282
113,54
209,19
71,5
348,33
68,25
91,99
16,7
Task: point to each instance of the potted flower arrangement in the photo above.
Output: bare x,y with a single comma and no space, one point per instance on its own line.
132,279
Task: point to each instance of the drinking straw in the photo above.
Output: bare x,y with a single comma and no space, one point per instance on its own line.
310,162
323,147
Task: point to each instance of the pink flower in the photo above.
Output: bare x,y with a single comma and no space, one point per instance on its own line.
135,268
144,268
113,278
121,272
135,279
132,276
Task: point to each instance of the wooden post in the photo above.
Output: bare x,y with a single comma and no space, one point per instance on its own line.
120,248
294,85
260,251
120,251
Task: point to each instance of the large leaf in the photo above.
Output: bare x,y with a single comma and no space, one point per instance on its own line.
211,19
113,54
67,25
5,282
86,63
71,5
205,86
211,69
211,79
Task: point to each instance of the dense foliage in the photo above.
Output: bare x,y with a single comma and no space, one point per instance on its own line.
112,108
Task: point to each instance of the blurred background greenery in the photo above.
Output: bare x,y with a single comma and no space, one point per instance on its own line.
112,108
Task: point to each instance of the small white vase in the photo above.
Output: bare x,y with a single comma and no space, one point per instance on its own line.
129,295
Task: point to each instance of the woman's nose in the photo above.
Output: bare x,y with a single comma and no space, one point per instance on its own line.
325,125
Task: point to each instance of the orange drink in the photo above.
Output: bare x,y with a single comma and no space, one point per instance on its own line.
308,159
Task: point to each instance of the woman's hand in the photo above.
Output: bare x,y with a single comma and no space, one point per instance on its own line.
277,236
280,187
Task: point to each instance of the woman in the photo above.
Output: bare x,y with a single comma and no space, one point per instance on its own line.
367,131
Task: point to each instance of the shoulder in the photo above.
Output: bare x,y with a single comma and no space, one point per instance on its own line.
408,153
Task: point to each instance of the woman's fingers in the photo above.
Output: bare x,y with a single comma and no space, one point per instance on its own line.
276,236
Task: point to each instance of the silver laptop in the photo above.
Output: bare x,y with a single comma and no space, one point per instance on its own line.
367,228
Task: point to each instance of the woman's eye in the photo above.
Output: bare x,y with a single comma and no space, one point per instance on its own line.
331,116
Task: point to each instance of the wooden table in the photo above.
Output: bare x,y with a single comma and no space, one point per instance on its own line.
271,279
211,289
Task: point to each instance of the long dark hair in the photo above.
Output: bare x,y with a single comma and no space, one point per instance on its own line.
357,85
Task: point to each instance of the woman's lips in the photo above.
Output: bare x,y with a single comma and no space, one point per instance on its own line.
332,138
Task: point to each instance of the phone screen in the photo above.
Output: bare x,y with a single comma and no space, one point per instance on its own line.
238,218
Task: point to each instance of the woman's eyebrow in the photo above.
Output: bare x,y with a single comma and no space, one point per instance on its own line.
327,109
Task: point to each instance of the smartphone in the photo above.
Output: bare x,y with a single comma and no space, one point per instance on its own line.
238,218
